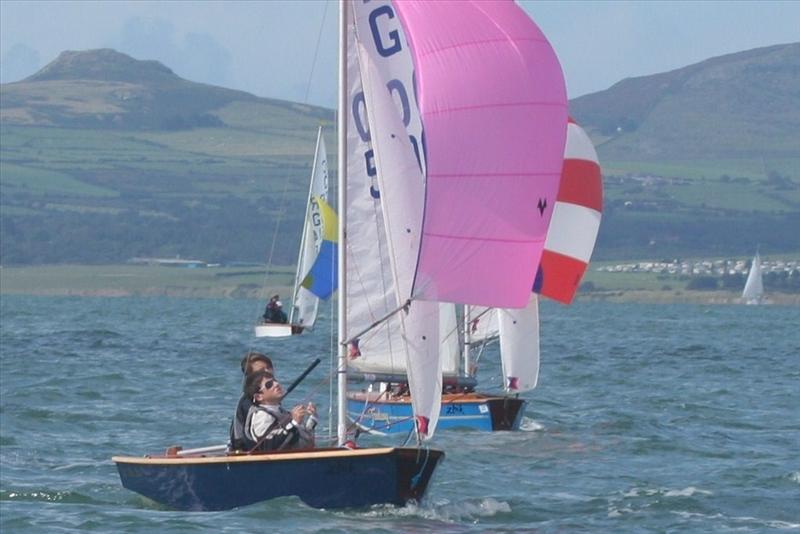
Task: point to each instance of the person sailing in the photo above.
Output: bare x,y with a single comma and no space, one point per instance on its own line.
271,426
252,362
274,313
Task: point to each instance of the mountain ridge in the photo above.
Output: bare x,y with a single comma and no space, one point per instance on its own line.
144,163
744,103
106,89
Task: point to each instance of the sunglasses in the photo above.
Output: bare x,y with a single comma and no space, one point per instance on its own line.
267,385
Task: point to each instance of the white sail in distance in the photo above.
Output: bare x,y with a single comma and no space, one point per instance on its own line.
754,286
304,303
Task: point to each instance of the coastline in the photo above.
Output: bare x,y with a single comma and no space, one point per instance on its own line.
115,281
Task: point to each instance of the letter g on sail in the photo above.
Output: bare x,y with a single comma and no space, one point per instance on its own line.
393,36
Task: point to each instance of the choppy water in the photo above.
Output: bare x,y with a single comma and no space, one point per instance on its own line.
647,418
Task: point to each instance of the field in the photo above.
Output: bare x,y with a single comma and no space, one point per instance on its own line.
127,280
254,282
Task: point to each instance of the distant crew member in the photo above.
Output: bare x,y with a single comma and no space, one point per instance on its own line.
274,311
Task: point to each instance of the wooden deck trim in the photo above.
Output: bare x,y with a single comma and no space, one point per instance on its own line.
250,458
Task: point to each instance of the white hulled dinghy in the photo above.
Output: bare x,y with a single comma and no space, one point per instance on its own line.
315,277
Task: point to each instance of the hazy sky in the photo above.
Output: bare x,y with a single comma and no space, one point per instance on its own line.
267,47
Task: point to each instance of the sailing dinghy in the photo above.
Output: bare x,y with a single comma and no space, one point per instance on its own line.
315,278
474,222
440,106
570,241
753,292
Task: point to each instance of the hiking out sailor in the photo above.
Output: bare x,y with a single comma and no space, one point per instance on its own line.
271,426
252,362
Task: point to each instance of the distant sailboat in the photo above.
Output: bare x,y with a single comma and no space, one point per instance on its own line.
315,278
754,287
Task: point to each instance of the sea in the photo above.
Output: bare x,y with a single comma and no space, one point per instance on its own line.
647,418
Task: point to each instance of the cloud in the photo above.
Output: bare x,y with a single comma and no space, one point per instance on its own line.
195,56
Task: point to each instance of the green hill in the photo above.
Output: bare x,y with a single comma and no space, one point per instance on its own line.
104,157
743,105
702,160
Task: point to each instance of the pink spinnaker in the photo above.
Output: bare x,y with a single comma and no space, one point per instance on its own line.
494,110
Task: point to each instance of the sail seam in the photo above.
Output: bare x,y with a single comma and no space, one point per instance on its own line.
466,44
492,239
494,105
487,174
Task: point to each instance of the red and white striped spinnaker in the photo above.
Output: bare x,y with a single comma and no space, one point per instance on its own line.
576,219
570,242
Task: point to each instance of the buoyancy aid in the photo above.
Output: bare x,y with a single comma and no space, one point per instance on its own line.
281,432
238,439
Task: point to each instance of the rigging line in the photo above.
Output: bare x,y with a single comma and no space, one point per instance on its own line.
378,322
281,211
475,362
316,52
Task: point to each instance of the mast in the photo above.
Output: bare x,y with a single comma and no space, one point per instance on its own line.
341,171
467,340
298,274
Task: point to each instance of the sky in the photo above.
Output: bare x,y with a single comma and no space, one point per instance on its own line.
268,47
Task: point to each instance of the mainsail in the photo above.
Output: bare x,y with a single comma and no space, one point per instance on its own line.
305,302
754,286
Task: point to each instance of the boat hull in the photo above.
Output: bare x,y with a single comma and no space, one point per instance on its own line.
472,410
327,478
278,329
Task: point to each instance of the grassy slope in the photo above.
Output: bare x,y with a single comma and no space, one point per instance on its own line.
125,280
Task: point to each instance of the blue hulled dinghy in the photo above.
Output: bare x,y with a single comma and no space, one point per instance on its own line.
321,478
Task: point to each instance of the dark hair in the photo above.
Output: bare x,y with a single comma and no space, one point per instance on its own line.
253,383
253,356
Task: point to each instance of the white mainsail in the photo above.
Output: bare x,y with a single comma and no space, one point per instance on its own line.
519,346
754,286
402,187
305,303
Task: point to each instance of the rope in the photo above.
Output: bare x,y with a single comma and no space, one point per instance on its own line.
281,211
415,478
316,52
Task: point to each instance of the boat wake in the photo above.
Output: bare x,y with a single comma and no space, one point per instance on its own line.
529,425
740,521
444,510
47,496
